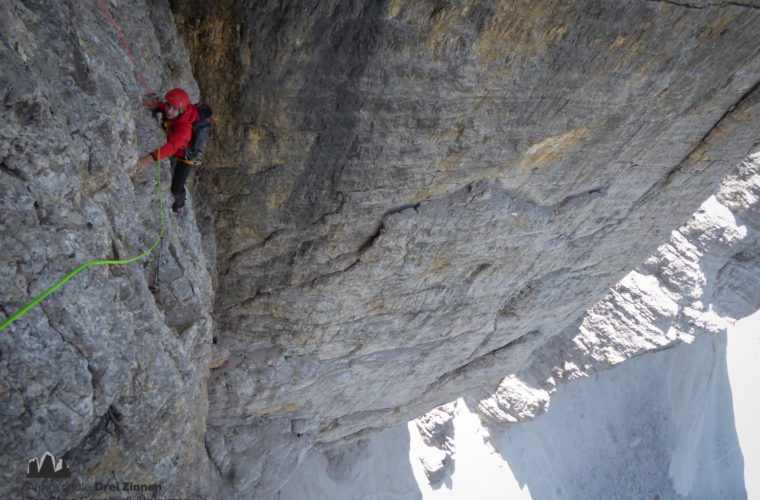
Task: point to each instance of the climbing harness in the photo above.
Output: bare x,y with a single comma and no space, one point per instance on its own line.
189,162
84,266
196,164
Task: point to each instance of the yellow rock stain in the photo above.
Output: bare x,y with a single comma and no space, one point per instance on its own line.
550,149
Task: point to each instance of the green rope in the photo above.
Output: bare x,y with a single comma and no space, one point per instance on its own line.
93,263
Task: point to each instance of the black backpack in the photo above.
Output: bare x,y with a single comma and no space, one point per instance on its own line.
201,129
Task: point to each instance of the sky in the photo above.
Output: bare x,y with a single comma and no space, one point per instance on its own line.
744,373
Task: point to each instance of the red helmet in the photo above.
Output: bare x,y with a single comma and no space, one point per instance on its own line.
178,98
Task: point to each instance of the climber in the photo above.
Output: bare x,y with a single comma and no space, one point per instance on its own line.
178,115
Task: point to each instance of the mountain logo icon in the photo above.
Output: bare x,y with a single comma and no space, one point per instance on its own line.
47,468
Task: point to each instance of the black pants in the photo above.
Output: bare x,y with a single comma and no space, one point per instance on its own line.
179,176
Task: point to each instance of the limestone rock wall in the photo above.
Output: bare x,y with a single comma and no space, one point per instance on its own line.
410,198
661,424
700,282
404,201
102,373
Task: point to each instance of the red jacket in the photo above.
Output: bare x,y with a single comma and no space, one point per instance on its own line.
178,132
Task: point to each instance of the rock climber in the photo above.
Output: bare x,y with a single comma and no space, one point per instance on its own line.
178,117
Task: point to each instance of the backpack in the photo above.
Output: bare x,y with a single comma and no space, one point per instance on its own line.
201,129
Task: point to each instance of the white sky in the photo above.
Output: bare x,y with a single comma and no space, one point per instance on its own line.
744,373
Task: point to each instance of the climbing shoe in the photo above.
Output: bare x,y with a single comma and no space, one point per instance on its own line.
177,209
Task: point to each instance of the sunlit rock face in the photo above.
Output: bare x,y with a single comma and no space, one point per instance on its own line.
411,198
700,282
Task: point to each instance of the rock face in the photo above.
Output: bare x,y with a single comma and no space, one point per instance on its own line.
437,431
699,282
405,201
102,373
413,197
657,426
368,469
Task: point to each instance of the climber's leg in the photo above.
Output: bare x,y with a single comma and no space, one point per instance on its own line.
179,176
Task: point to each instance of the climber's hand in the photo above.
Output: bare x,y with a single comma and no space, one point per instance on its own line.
150,103
143,163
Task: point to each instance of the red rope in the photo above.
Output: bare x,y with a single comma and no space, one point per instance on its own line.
128,52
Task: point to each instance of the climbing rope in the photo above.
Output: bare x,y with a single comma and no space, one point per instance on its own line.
92,263
84,266
128,52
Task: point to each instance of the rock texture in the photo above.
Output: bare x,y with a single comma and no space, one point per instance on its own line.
657,426
660,425
102,373
412,197
405,201
371,469
695,285
437,431
699,282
